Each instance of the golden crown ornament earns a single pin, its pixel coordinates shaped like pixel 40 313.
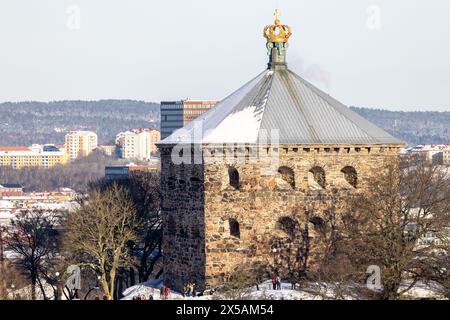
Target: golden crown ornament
pixel 277 32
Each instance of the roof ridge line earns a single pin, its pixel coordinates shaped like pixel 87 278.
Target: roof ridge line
pixel 270 75
pixel 250 92
pixel 202 116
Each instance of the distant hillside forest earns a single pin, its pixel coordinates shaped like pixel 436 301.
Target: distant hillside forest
pixel 424 127
pixel 25 123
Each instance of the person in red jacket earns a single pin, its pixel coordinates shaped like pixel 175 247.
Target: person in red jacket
pixel 166 293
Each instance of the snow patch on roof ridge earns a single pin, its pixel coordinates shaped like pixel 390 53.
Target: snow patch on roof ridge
pixel 195 131
pixel 241 126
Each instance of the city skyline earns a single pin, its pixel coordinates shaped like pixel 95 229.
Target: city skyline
pixel 357 51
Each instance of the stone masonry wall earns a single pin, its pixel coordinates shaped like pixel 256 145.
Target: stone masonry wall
pixel 182 210
pixel 198 203
pixel 262 199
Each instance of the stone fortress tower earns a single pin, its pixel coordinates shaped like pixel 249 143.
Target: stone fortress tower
pixel 236 179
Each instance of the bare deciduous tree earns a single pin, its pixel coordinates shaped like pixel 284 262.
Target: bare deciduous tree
pixel 384 226
pixel 146 196
pixel 33 239
pixel 439 257
pixel 144 191
pixel 97 235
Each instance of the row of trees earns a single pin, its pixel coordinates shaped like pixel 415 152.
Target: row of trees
pixel 115 230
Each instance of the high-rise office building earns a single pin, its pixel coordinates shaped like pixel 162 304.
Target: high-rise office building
pixel 177 114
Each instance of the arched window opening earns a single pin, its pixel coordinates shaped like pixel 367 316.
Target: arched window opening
pixel 184 231
pixel 234 228
pixel 233 176
pixel 350 176
pixel 171 179
pixel 318 223
pixel 288 225
pixel 171 183
pixel 182 183
pixel 287 174
pixel 195 184
pixel 318 175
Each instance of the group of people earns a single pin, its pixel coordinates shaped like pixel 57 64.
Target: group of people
pixel 189 289
pixel 164 293
pixel 276 282
pixel 143 297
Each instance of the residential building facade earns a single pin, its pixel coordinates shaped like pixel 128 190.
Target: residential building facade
pixel 433 153
pixel 109 150
pixel 42 156
pixel 446 156
pixel 123 172
pixel 80 143
pixel 138 144
pixel 10 189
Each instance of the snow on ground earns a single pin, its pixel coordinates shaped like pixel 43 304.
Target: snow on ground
pixel 6 204
pixel 6 216
pixel 422 289
pixel 150 287
pixel 25 292
pixel 266 292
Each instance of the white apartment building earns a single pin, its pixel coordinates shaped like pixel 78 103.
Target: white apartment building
pixel 434 153
pixel 446 156
pixel 80 143
pixel 138 143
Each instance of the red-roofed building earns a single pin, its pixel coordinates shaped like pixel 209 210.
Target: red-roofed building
pixel 11 190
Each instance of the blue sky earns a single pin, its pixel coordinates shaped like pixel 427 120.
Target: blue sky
pixel 393 54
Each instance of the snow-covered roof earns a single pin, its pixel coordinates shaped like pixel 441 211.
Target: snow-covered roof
pixel 431 147
pixel 278 99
